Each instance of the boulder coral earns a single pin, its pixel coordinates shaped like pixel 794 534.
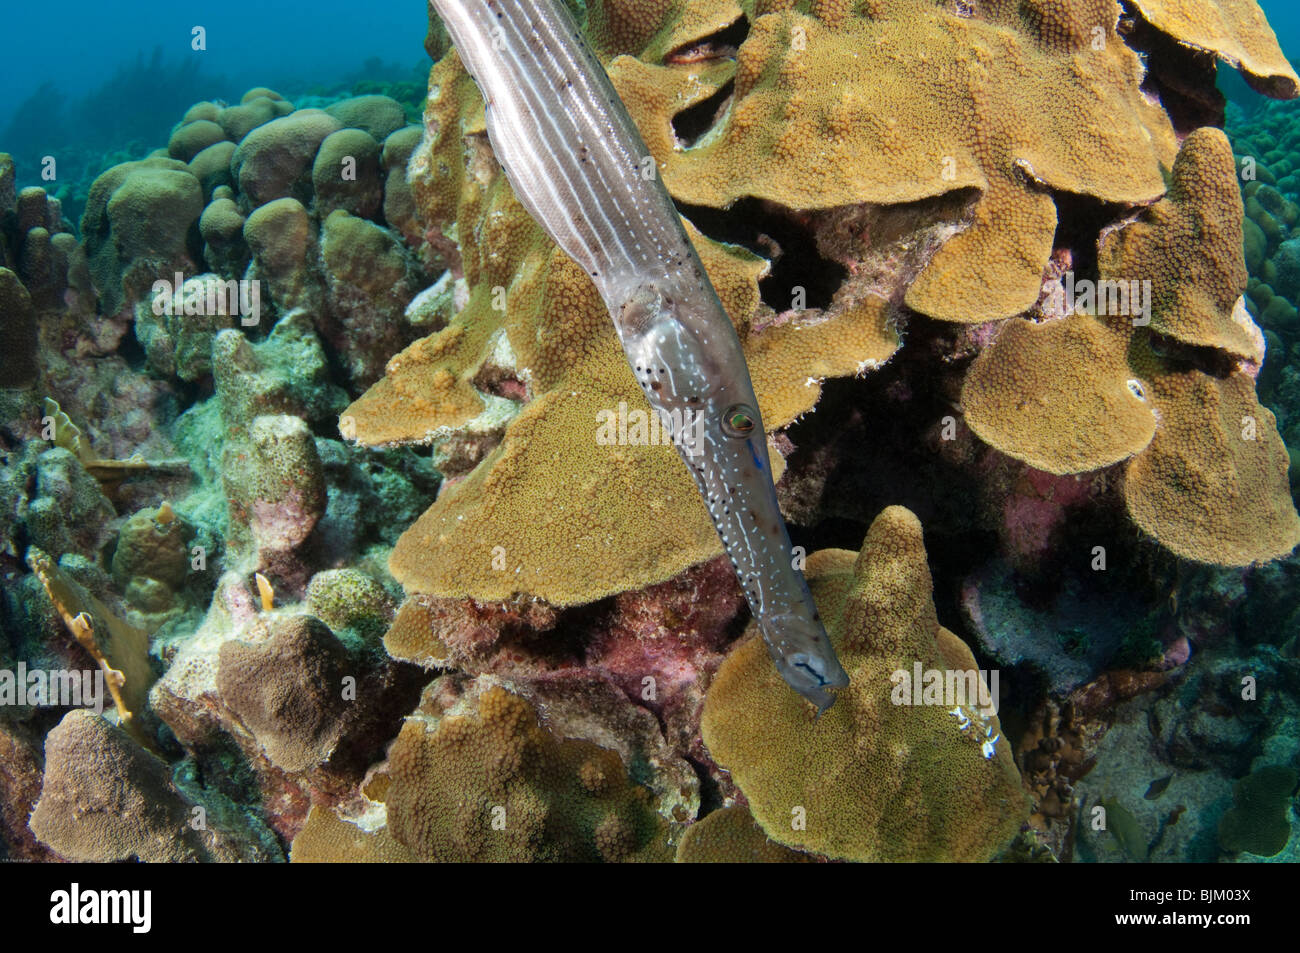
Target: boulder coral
pixel 491 783
pixel 288 691
pixel 105 799
pixel 138 227
pixel 871 779
pixel 730 836
pixel 243 192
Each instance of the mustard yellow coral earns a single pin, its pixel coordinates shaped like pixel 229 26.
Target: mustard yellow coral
pixel 910 100
pixel 1235 30
pixel 869 780
pixel 730 836
pixel 1213 485
pixel 1059 395
pixel 1208 474
pixel 1188 247
pixel 493 784
pixel 327 838
pixel 552 499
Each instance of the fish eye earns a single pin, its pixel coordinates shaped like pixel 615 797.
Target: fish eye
pixel 739 420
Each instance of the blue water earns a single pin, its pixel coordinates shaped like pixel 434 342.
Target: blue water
pixel 78 45
pixel 96 76
pixel 1284 17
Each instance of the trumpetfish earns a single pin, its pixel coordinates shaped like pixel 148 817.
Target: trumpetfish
pixel 579 166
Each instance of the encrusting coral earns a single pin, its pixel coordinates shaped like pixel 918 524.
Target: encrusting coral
pixel 872 779
pixel 328 839
pixel 492 783
pixel 730 836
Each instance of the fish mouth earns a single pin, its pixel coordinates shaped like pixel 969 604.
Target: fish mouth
pixel 804 658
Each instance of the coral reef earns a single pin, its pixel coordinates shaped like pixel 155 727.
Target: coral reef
pixel 492 784
pixel 872 779
pixel 326 459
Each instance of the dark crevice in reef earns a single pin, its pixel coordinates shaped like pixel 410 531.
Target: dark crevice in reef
pixel 721 45
pixel 872 443
pixel 1185 357
pixel 1080 220
pixel 694 121
pixel 130 349
pixel 1182 78
pixel 781 236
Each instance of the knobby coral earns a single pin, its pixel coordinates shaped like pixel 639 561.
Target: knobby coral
pixel 492 783
pixel 1169 388
pixel 873 779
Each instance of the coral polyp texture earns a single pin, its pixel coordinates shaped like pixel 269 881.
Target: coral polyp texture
pixel 1073 393
pixel 335 527
pixel 492 784
pixel 873 779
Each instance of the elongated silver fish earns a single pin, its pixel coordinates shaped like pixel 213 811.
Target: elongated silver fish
pixel 579 166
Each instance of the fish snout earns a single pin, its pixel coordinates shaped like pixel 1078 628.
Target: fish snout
pixel 804 658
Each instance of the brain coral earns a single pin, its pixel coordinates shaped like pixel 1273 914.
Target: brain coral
pixel 493 784
pixel 869 780
pixel 1208 478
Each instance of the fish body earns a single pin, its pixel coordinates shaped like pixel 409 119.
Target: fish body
pixel 579 166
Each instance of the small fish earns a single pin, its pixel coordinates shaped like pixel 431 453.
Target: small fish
pixel 1157 787
pixel 579 166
